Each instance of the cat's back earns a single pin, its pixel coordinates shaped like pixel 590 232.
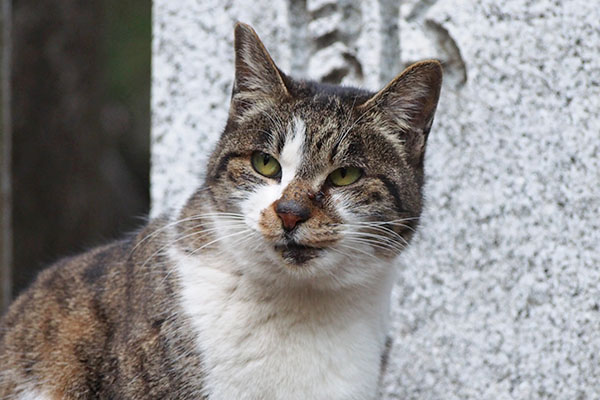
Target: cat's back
pixel 99 325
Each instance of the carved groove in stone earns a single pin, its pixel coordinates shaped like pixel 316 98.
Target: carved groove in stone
pixel 389 14
pixel 422 28
pixel 454 65
pixel 420 9
pixel 333 31
pixel 298 19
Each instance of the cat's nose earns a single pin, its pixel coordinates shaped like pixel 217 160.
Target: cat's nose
pixel 291 213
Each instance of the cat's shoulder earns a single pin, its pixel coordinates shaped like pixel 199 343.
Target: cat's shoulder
pixel 85 311
pixel 76 280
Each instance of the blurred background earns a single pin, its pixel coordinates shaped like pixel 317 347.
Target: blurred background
pixel 78 89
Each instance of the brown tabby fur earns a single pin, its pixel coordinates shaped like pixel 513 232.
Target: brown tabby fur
pixel 102 325
pixel 108 324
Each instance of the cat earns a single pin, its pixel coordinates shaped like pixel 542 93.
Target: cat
pixel 273 281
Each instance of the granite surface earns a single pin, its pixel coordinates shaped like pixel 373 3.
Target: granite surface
pixel 499 296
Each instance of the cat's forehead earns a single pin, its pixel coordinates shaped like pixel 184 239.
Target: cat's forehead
pixel 327 102
pixel 316 143
pixel 322 119
pixel 325 117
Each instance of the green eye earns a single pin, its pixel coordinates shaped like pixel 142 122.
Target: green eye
pixel 345 176
pixel 265 164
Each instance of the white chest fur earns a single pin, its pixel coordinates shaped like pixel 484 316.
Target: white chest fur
pixel 268 344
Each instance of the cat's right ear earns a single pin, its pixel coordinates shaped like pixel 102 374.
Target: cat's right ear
pixel 255 71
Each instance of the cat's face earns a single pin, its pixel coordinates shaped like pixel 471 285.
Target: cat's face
pixel 315 182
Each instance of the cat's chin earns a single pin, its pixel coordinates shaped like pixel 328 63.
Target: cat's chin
pixel 296 254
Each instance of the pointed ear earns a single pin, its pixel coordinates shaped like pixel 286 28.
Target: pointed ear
pixel 255 70
pixel 407 105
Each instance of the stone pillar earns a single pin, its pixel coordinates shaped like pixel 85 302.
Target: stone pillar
pixel 5 159
pixel 499 294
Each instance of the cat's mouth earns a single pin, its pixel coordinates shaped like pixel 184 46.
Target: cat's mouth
pixel 296 253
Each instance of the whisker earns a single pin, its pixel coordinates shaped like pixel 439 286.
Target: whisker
pixel 381 229
pixel 200 233
pixel 375 243
pixel 187 219
pixel 357 249
pixel 219 239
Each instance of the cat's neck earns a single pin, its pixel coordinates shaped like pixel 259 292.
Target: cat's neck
pixel 248 331
pixel 213 268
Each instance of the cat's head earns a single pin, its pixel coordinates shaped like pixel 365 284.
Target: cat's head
pixel 315 182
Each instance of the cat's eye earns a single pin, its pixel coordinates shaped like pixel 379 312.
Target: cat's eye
pixel 265 164
pixel 345 176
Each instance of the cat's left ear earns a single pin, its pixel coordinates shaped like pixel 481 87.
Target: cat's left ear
pixel 406 106
pixel 255 71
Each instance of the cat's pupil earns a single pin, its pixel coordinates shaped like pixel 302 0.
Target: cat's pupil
pixel 343 172
pixel 266 159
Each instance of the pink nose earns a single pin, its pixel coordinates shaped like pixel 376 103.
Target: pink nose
pixel 291 213
pixel 289 221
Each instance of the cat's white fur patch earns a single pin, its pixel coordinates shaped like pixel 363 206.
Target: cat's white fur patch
pixel 293 151
pixel 33 395
pixel 258 342
pixel 290 160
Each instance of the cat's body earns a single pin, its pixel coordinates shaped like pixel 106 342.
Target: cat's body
pixel 100 325
pixel 272 282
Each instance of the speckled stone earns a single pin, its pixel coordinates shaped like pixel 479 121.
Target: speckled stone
pixel 499 296
pixel 192 74
pixel 500 293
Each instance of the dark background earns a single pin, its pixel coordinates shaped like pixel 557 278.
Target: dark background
pixel 80 126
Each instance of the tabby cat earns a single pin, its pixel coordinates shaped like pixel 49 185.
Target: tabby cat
pixel 272 282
